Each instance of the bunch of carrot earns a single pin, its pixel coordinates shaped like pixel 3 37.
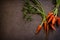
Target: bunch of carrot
pixel 49 23
pixel 50 20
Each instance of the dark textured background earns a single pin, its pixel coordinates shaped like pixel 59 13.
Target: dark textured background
pixel 13 27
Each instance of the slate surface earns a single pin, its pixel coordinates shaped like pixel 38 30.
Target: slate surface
pixel 13 27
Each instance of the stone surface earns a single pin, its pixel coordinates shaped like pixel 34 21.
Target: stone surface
pixel 13 27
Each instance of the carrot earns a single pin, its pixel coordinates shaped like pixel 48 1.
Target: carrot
pixel 38 29
pixel 58 20
pixel 53 20
pixel 45 26
pixel 53 27
pixel 49 14
pixel 47 29
pixel 50 19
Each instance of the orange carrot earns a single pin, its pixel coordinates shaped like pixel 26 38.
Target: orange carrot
pixel 58 20
pixel 45 26
pixel 47 29
pixel 49 14
pixel 50 19
pixel 53 27
pixel 53 20
pixel 38 29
